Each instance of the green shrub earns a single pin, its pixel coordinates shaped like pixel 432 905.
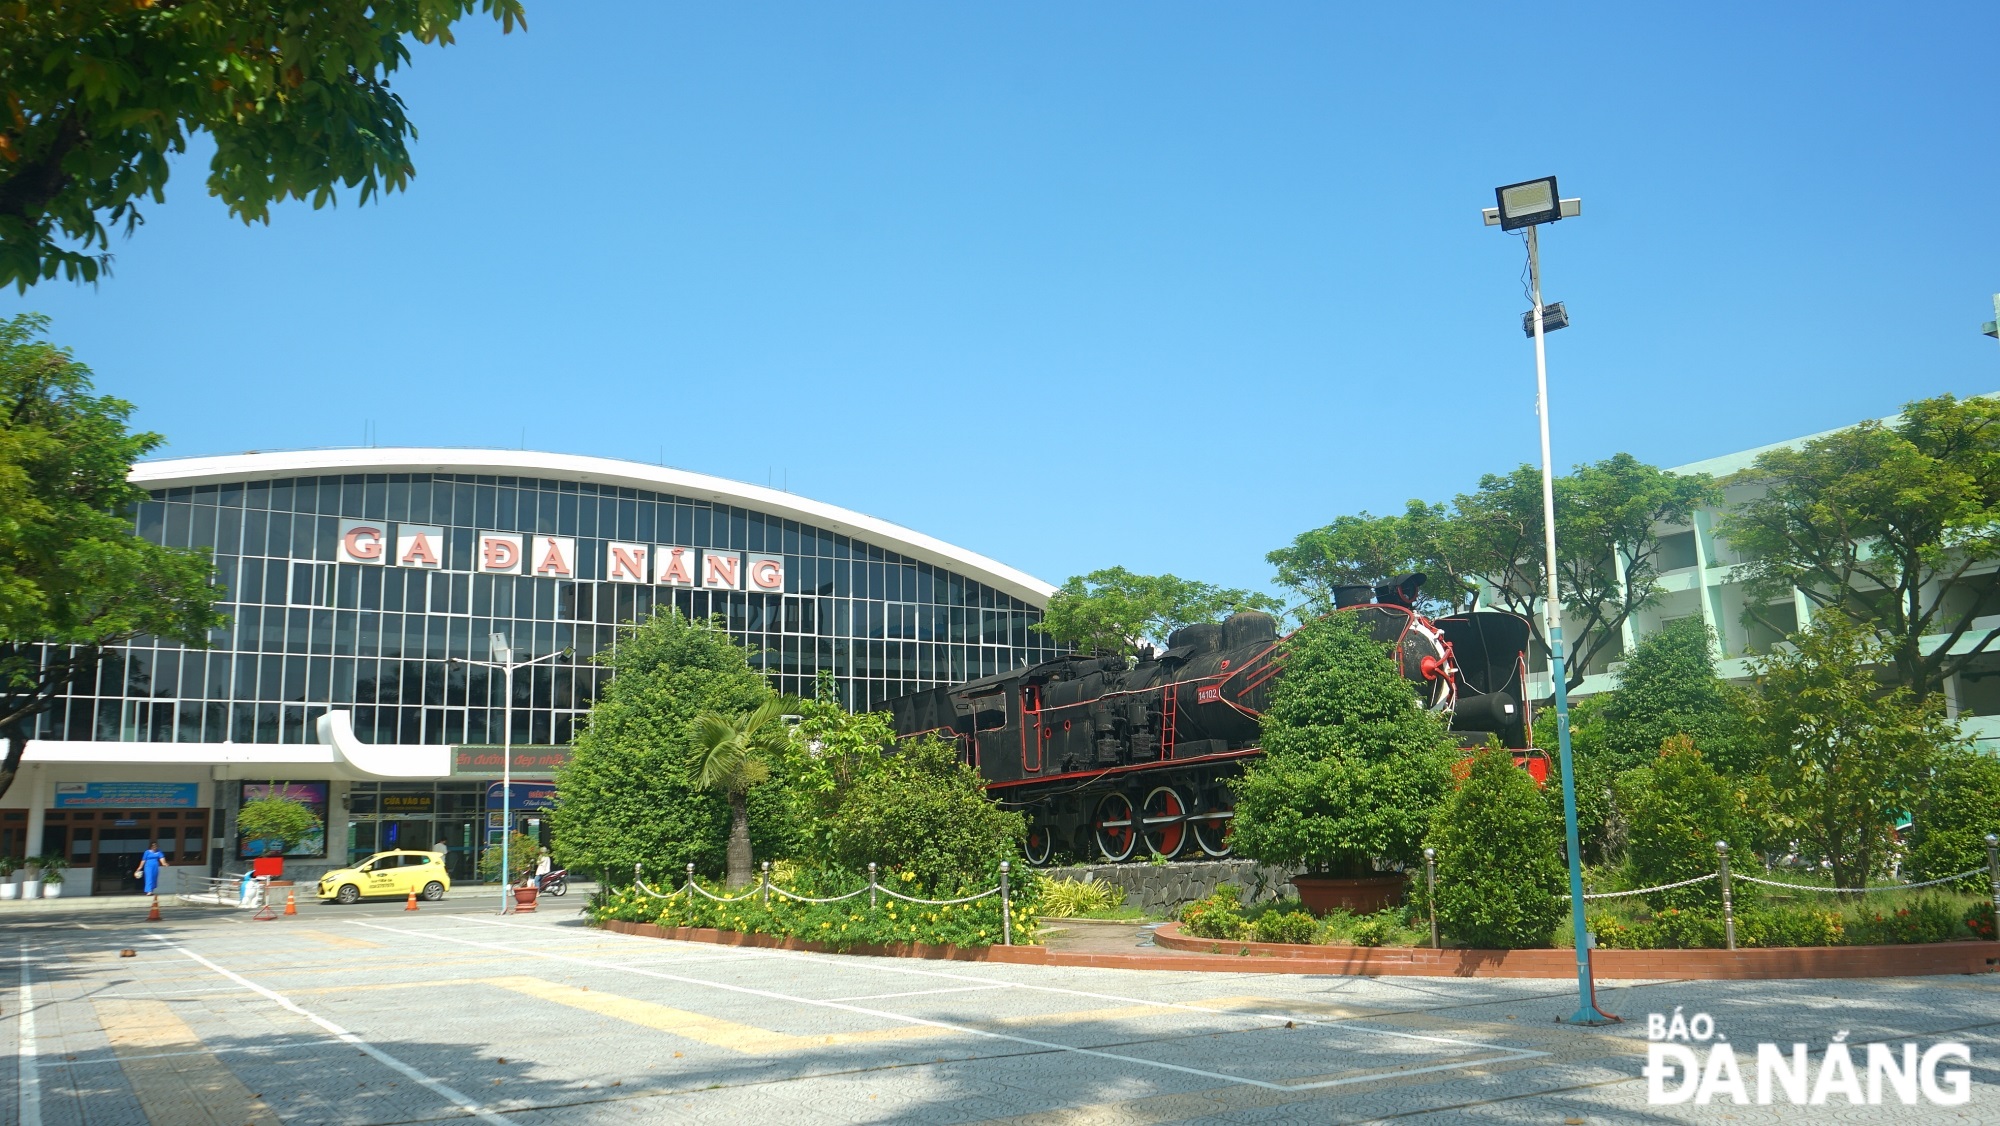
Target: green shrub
pixel 1978 920
pixel 1069 899
pixel 923 811
pixel 842 925
pixel 1676 929
pixel 1499 869
pixel 1292 926
pixel 1379 929
pixel 522 852
pixel 1677 808
pixel 1949 824
pixel 1218 916
pixel 1928 918
pixel 1352 767
pixel 1790 926
pixel 1615 933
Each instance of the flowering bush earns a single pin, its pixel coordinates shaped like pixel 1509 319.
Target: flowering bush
pixel 849 923
pixel 1926 919
pixel 1218 916
pixel 1979 920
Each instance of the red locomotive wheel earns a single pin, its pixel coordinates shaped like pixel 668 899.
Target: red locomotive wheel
pixel 1116 832
pixel 1165 821
pixel 1211 830
pixel 1035 850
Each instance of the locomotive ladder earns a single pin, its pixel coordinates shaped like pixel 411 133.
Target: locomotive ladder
pixel 1169 706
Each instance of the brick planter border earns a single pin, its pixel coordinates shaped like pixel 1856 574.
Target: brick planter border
pixel 1204 954
pixel 1968 957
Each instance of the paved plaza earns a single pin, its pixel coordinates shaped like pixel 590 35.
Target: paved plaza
pixel 375 1015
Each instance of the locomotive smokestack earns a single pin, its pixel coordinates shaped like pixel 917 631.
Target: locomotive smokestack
pixel 1400 591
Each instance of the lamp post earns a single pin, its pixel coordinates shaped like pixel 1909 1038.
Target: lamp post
pixel 1992 327
pixel 1528 205
pixel 503 654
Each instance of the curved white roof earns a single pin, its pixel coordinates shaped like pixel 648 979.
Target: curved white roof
pixel 168 473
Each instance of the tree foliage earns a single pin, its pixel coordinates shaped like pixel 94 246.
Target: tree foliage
pixel 1887 524
pixel 633 789
pixel 1352 764
pixel 1499 858
pixel 73 577
pixel 1843 754
pixel 1677 808
pixel 1365 550
pixel 1113 611
pixel 1609 517
pixel 279 819
pixel 923 812
pixel 294 93
pixel 1667 687
pixel 1950 822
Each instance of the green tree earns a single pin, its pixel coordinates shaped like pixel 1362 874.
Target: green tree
pixel 1499 858
pixel 834 752
pixel 1844 756
pixel 1112 611
pixel 1365 550
pixel 1678 808
pixel 1352 764
pixel 632 791
pixel 735 753
pixel 1610 515
pixel 277 818
pixel 1888 524
pixel 1949 824
pixel 295 96
pixel 1667 687
pixel 923 812
pixel 74 580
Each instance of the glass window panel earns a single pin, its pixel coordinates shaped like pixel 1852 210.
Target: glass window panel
pixel 281 496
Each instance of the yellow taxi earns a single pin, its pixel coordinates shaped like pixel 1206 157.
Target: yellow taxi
pixel 396 873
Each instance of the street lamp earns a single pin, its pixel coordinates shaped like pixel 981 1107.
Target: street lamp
pixel 1526 206
pixel 1992 327
pixel 503 659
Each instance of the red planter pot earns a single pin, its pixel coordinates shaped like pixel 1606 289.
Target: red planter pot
pixel 1363 896
pixel 524 898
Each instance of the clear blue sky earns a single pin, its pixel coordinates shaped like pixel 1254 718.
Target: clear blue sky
pixel 1076 285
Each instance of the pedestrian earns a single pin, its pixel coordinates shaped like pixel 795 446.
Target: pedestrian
pixel 443 848
pixel 150 863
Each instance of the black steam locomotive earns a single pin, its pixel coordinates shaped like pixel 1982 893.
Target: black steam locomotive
pixel 1115 757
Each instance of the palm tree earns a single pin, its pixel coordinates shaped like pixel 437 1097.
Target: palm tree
pixel 733 760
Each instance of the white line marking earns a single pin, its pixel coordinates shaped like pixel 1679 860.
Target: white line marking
pixel 1048 1045
pixel 920 992
pixel 1300 1018
pixel 447 1091
pixel 315 1044
pixel 30 1080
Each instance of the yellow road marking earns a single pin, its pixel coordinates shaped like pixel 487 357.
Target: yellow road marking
pixel 709 1030
pixel 188 1088
pixel 340 940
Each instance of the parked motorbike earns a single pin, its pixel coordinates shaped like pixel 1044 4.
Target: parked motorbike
pixel 554 882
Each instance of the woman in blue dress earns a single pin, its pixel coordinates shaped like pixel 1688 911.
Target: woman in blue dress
pixel 150 864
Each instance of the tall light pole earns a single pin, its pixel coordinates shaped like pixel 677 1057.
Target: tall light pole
pixel 503 659
pixel 1528 205
pixel 1992 327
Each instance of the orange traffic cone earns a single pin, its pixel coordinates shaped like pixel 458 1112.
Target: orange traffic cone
pixel 153 916
pixel 412 904
pixel 291 904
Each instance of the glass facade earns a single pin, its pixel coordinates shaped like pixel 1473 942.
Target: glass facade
pixel 309 634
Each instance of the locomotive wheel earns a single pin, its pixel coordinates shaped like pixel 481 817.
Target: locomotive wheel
pixel 1035 850
pixel 1165 821
pixel 1211 833
pixel 1114 827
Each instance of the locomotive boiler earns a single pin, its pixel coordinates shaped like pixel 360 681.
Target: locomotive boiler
pixel 1114 758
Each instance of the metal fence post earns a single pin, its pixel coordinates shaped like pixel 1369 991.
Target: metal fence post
pixel 871 885
pixel 637 867
pixel 1431 891
pixel 767 883
pixel 690 874
pixel 1993 875
pixel 1006 909
pixel 1728 903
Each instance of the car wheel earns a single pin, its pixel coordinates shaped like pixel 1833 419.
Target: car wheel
pixel 433 891
pixel 348 893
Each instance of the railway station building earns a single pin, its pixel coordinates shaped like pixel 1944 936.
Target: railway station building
pixel 353 579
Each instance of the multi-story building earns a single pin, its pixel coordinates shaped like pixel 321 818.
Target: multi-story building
pixel 1701 578
pixel 356 578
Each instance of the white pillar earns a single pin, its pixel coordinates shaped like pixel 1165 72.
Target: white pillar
pixel 38 800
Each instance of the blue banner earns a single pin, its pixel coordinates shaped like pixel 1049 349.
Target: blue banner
pixel 127 795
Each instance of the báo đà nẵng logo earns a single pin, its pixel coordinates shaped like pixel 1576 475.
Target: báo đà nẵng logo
pixel 1689 1061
